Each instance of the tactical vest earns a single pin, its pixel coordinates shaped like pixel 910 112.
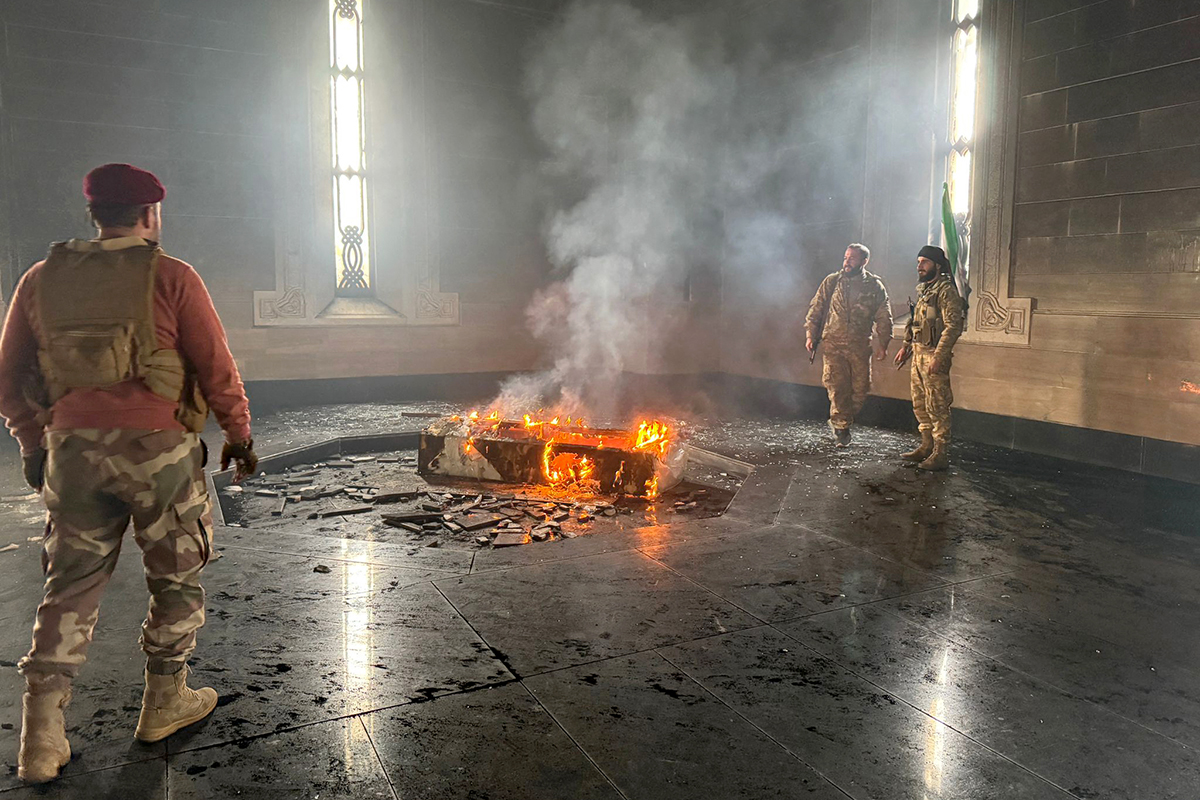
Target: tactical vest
pixel 95 315
pixel 928 325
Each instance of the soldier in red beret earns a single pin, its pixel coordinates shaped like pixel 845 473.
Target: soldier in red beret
pixel 111 357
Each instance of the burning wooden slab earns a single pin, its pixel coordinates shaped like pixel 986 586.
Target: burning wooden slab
pixel 564 455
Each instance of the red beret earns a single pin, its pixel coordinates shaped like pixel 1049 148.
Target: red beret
pixel 122 184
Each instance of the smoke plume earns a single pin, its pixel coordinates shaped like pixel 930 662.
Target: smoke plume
pixel 683 141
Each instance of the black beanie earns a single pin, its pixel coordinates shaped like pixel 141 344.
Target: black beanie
pixel 935 254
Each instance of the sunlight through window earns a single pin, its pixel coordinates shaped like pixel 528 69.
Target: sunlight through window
pixel 349 139
pixel 964 99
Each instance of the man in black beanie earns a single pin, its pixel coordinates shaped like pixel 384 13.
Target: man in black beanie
pixel 934 327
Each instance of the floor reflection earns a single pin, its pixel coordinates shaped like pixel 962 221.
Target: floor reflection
pixel 935 732
pixel 358 640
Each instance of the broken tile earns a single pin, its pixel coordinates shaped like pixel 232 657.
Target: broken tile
pixel 342 512
pixel 480 523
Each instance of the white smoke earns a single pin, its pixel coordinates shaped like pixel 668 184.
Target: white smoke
pixel 682 164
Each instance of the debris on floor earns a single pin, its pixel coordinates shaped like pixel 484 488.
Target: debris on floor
pixel 381 497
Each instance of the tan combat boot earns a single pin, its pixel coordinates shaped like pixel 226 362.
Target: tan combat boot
pixel 168 705
pixel 938 460
pixel 44 746
pixel 924 449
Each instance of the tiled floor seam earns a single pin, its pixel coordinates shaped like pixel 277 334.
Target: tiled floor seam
pixel 75 775
pixel 522 677
pixel 339 718
pixel 746 720
pixel 643 651
pixel 574 741
pixel 1014 606
pixel 319 557
pixel 699 585
pixel 509 567
pixel 900 596
pixel 436 698
pixel 382 768
pixel 815 613
pixel 864 549
pixel 925 713
pixel 1033 677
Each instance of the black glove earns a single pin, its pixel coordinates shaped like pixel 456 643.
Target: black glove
pixel 34 465
pixel 243 454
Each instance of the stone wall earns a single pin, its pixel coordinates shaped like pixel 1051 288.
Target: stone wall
pixel 1106 229
pixel 223 99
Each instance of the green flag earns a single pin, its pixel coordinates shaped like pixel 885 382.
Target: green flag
pixel 954 247
pixel 950 230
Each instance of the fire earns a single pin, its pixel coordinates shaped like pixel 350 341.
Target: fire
pixel 652 489
pixel 653 436
pixel 562 468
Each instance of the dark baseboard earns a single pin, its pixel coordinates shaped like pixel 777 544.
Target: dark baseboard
pixel 735 394
pixel 270 395
pixel 1139 454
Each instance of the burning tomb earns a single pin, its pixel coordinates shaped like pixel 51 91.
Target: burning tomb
pixel 564 454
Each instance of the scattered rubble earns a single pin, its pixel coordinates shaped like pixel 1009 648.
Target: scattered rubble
pixel 387 493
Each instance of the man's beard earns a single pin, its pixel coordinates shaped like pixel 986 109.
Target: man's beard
pixel 926 278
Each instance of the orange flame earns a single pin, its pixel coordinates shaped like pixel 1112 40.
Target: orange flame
pixel 653 436
pixel 652 488
pixel 565 469
pixel 569 470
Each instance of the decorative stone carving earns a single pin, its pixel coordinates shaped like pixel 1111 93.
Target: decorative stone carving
pixel 435 307
pixel 289 303
pixel 994 317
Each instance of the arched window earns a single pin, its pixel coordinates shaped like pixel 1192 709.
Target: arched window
pixel 964 91
pixel 351 190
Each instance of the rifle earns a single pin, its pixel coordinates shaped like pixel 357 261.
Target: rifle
pixel 912 312
pixel 812 357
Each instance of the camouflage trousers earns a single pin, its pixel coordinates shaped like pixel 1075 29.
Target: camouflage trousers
pixel 931 395
pixel 847 378
pixel 96 482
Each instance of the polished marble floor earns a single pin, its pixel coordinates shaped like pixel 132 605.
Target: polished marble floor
pixel 1017 628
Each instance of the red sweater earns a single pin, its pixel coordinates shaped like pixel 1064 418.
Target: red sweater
pixel 185 321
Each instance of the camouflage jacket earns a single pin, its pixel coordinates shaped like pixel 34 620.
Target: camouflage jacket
pixel 846 306
pixel 937 318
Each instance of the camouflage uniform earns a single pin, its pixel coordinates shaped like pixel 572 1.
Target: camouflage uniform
pixel 96 481
pixel 935 325
pixel 840 317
